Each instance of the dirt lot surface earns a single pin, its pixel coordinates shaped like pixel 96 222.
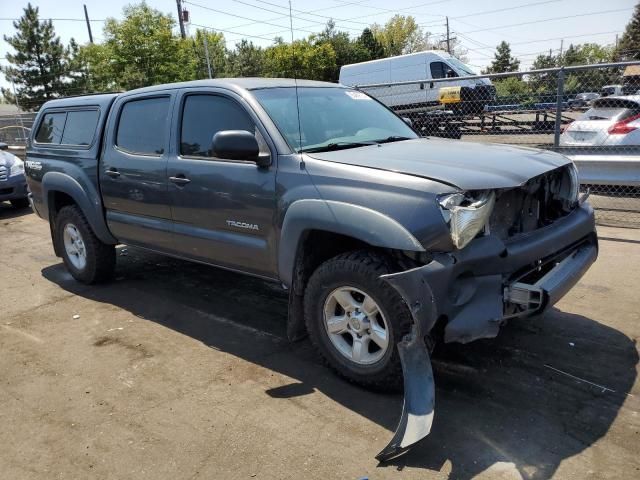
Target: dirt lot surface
pixel 180 371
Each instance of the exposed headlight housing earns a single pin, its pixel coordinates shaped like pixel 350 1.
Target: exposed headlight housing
pixel 466 213
pixel 17 168
pixel 575 182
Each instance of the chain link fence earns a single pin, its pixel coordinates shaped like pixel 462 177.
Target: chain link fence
pixel 590 113
pixel 14 131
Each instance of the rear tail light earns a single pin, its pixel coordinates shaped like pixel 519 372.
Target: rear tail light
pixel 622 127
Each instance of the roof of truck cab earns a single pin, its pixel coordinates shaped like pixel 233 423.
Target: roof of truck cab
pixel 245 83
pixel 248 83
pixel 101 100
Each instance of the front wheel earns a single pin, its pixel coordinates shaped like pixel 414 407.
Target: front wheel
pixel 85 256
pixel 355 319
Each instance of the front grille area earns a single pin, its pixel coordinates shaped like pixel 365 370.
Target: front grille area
pixel 4 173
pixel 537 203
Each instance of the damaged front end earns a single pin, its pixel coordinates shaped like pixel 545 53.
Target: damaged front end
pixel 518 252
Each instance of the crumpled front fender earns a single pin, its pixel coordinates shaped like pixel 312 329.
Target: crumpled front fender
pixel 419 388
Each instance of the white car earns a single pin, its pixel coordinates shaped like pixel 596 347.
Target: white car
pixel 610 121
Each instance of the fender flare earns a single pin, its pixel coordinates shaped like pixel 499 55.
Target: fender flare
pixel 86 197
pixel 355 221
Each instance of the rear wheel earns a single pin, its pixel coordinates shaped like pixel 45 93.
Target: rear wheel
pixel 87 258
pixel 355 319
pixel 20 202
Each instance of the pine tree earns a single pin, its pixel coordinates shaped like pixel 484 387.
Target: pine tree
pixel 503 61
pixel 629 45
pixel 371 44
pixel 38 66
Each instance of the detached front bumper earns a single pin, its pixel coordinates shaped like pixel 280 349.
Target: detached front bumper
pixel 476 289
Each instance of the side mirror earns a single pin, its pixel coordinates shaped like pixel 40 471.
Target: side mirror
pixel 4 146
pixel 238 145
pixel 408 121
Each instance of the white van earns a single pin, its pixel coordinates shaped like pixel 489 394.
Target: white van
pixel 422 67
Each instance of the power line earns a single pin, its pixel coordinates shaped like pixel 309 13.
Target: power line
pixel 6 19
pixel 487 12
pixel 602 12
pixel 264 22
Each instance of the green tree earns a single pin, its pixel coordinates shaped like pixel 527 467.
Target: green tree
pixel 629 44
pixel 346 50
pixel 142 50
pixel 587 80
pixel 302 59
pixel 400 35
pixel 371 44
pixel 38 68
pixel 544 82
pixel 247 60
pixel 194 56
pixel 503 61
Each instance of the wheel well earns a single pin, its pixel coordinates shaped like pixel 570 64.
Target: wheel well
pixel 316 247
pixel 56 201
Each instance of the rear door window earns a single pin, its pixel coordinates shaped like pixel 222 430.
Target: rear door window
pixel 142 126
pixel 51 127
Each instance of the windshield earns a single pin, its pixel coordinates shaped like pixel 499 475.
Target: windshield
pixel 460 67
pixel 331 118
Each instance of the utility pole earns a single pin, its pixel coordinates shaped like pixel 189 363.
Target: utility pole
pixel 448 38
pixel 561 45
pixel 86 17
pixel 206 52
pixel 180 19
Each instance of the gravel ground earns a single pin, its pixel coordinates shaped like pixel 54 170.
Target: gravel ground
pixel 181 371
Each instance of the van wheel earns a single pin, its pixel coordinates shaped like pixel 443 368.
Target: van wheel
pixel 85 256
pixel 355 319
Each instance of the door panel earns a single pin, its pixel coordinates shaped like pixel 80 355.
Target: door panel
pixel 223 213
pixel 133 173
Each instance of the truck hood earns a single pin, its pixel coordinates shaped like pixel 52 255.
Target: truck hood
pixel 466 165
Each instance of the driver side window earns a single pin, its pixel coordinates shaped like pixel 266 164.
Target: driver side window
pixel 204 115
pixel 441 70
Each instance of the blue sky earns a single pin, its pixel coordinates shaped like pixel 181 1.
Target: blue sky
pixel 531 26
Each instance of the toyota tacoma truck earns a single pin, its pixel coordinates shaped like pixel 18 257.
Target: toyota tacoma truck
pixel 382 238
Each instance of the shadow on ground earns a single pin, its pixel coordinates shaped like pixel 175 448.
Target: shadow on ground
pixel 496 400
pixel 7 211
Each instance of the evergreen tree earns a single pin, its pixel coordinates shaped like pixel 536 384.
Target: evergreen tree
pixel 38 66
pixel 503 61
pixel 629 45
pixel 247 60
pixel 371 44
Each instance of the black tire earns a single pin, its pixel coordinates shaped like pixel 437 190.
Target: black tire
pixel 100 257
pixel 360 269
pixel 20 202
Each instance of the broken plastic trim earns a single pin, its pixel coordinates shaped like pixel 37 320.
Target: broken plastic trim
pixel 419 388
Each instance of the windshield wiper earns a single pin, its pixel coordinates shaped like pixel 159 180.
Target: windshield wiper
pixel 392 138
pixel 336 146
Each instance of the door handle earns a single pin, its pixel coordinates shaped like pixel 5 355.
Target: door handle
pixel 113 173
pixel 179 180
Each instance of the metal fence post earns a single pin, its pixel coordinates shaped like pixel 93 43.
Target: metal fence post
pixel 559 99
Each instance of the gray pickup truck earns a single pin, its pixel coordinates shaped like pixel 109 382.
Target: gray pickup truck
pixel 381 237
